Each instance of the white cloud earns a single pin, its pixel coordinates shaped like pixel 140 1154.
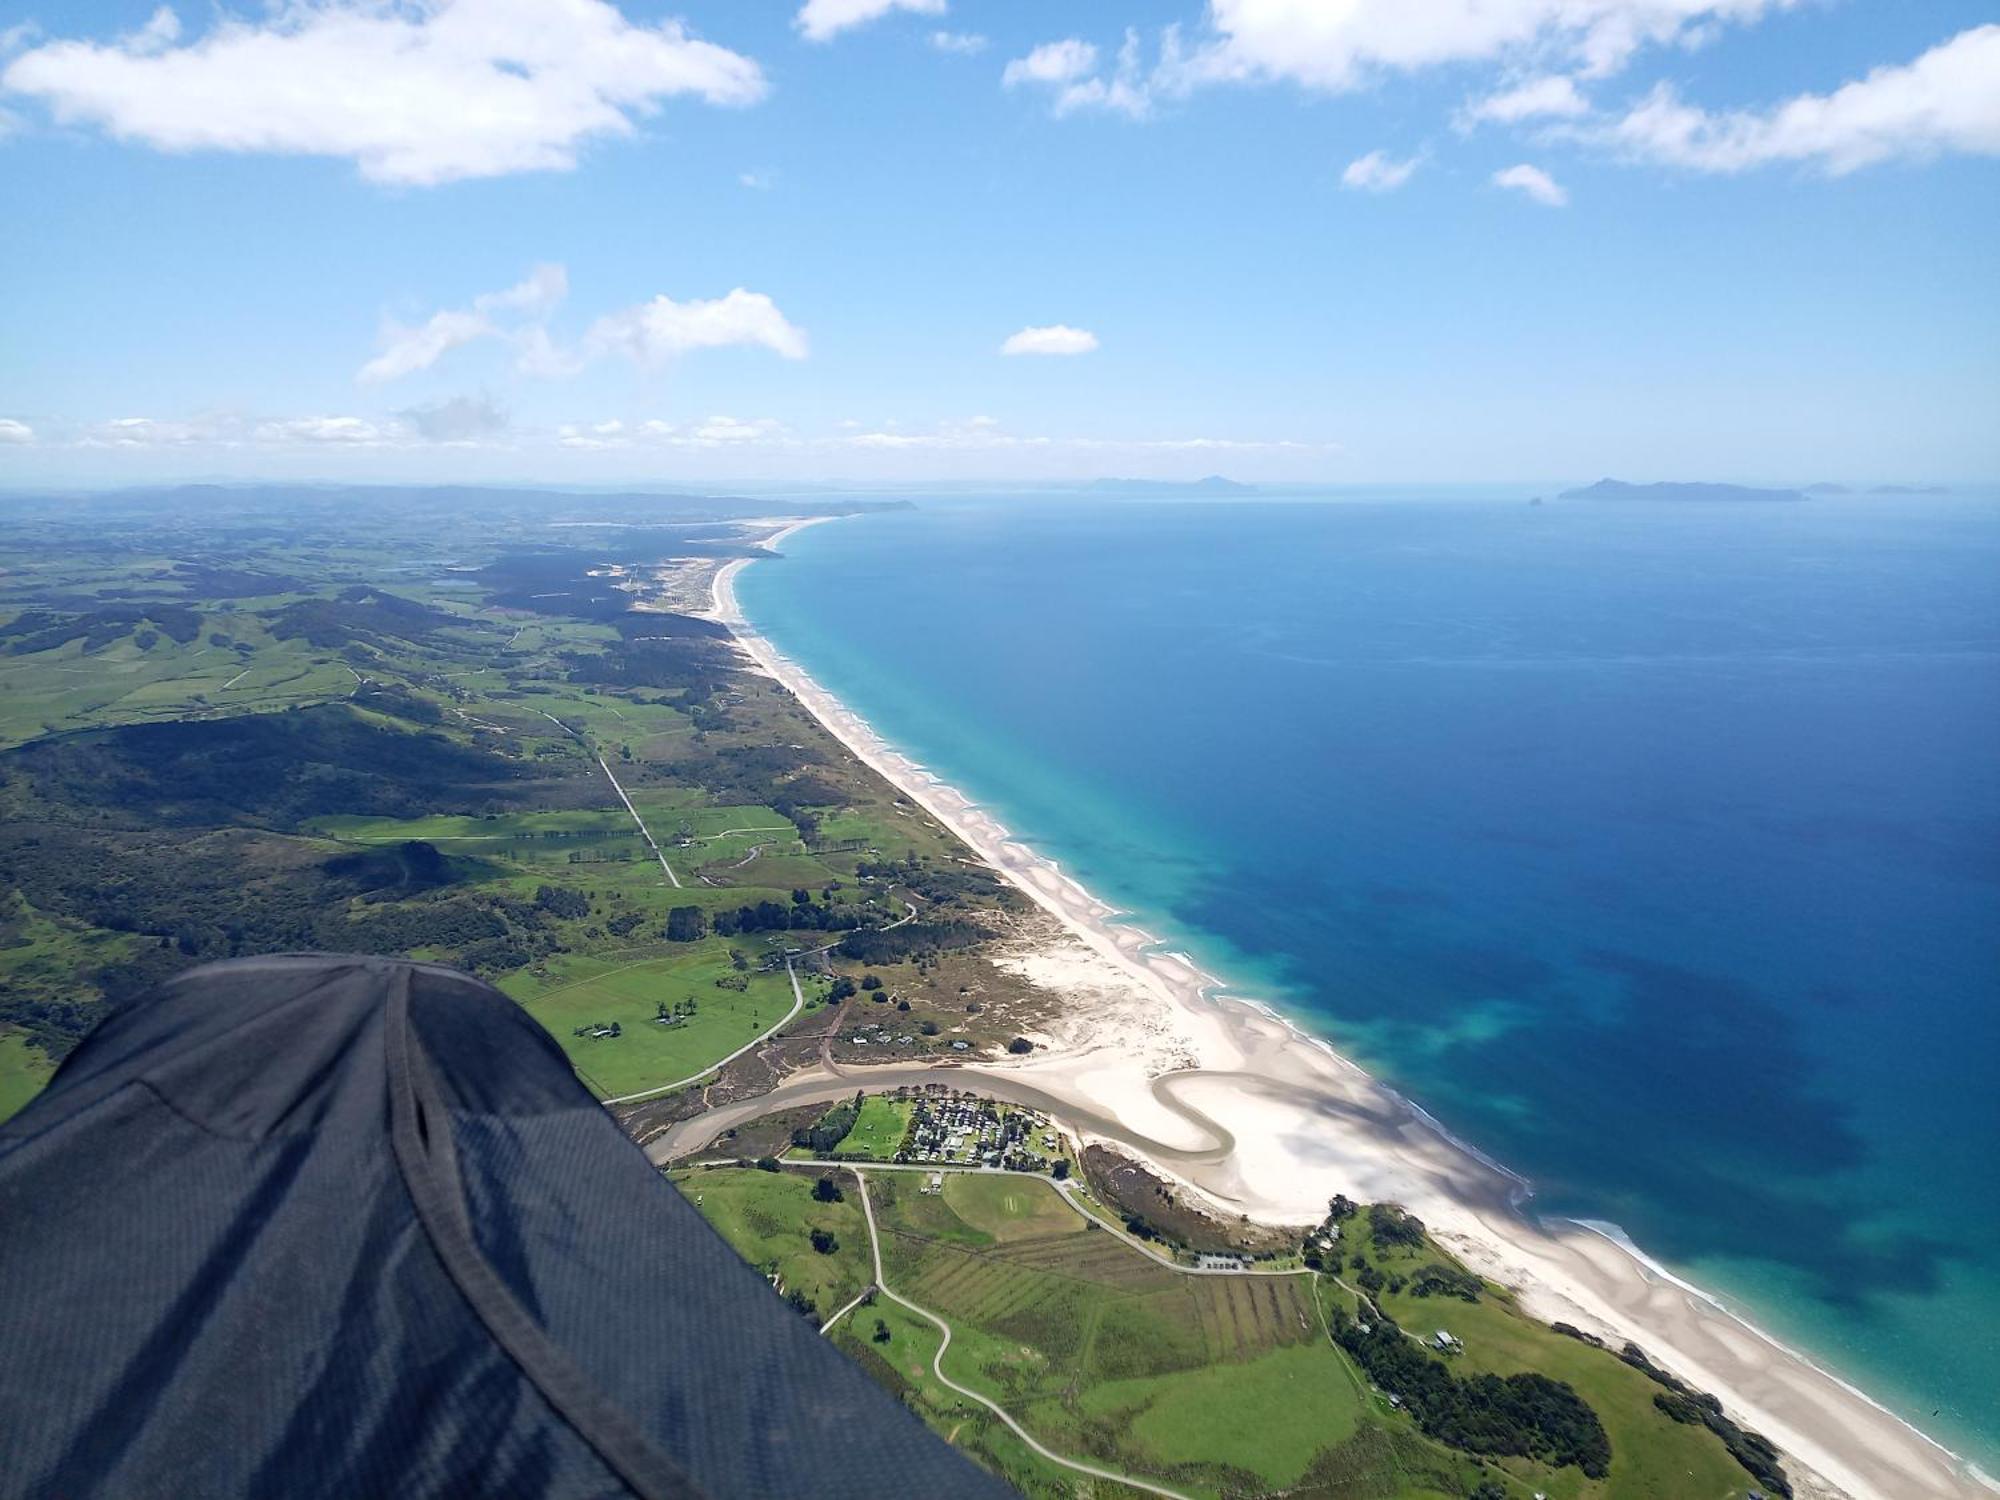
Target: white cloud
pixel 1057 338
pixel 656 331
pixel 1069 70
pixel 823 20
pixel 1338 46
pixel 1378 173
pixel 1052 63
pixel 1553 95
pixel 651 332
pixel 757 182
pixel 345 431
pixel 406 350
pixel 1534 182
pixel 1947 100
pixel 720 432
pixel 965 43
pixel 412 91
pixel 544 290
pixel 148 432
pixel 15 432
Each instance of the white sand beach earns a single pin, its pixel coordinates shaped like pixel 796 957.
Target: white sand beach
pixel 1252 1113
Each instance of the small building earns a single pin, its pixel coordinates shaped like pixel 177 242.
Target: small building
pixel 1446 1342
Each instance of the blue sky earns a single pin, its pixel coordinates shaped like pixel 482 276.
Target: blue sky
pixel 1344 240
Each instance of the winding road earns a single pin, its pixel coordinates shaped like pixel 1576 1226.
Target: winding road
pixel 937 1368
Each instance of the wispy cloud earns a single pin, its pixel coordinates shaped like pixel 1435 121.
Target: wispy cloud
pixel 1553 95
pixel 663 329
pixel 415 94
pixel 1056 338
pixel 964 43
pixel 1534 183
pixel 1947 100
pixel 12 431
pixel 1378 172
pixel 823 20
pixel 462 419
pixel 1068 69
pixel 651 332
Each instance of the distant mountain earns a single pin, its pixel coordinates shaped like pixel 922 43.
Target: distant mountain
pixel 1911 489
pixel 1824 488
pixel 1617 489
pixel 1215 484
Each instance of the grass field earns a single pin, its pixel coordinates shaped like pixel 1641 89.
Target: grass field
pixel 1218 1386
pixel 766 1216
pixel 1221 1414
pixel 878 1131
pixel 1009 1208
pixel 23 1071
pixel 590 991
pixel 1651 1458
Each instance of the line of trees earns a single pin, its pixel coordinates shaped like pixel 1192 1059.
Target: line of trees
pixel 1524 1415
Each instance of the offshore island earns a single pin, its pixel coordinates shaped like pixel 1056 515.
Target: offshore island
pixel 1107 1231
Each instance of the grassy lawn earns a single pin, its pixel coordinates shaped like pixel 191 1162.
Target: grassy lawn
pixel 1010 1208
pixel 595 991
pixel 1652 1458
pixel 878 1131
pixel 23 1071
pixel 767 1218
pixel 1271 1415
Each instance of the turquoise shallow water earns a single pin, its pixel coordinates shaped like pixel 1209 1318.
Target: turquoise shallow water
pixel 1656 850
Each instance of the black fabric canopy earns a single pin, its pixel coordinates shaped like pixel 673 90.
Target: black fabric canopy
pixel 311 1226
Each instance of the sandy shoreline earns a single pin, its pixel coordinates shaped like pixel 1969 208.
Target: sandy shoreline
pixel 1262 1119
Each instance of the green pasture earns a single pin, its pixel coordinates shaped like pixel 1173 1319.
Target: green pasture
pixel 1008 1207
pixel 23 1071
pixel 587 991
pixel 767 1218
pixel 877 1132
pixel 52 692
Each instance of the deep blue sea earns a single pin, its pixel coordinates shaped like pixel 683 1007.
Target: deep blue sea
pixel 1654 848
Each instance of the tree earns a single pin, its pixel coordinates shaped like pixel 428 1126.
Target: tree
pixel 881 1334
pixel 685 925
pixel 767 1163
pixel 824 1242
pixel 1060 1171
pixel 1020 1045
pixel 826 1190
pixel 871 982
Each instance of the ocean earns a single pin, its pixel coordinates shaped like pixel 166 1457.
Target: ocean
pixel 1653 848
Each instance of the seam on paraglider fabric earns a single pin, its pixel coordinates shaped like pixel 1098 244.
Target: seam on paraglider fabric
pixel 420 1128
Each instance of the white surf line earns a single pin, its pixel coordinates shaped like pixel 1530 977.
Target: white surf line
pixel 798 1004
pixel 937 1368
pixel 644 832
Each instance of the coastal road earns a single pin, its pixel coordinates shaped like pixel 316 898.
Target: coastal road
pixel 937 1368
